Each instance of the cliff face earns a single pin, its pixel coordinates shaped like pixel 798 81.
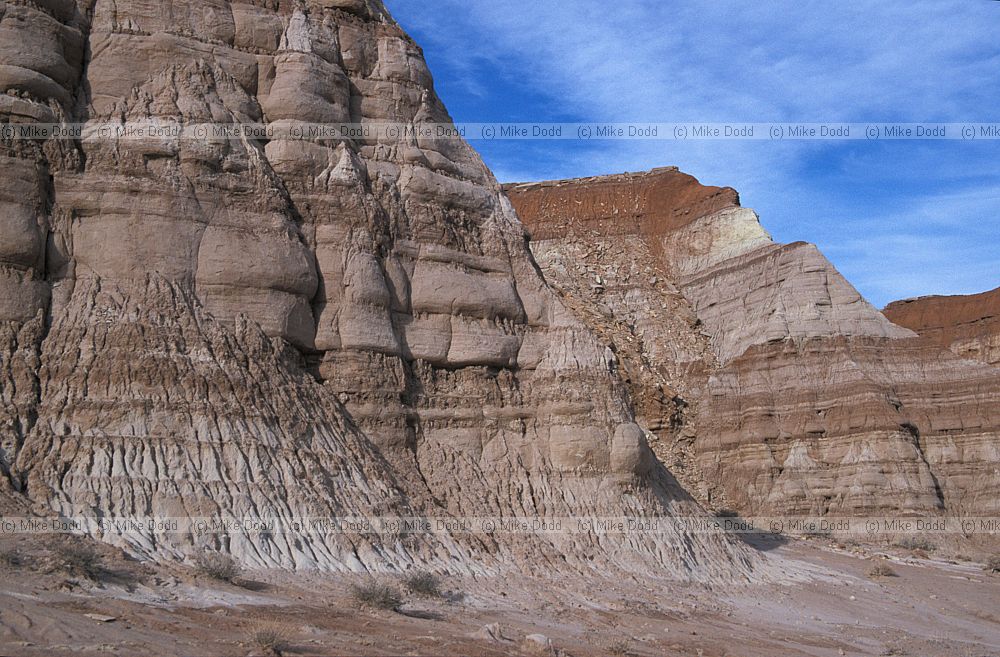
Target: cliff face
pixel 293 327
pixel 967 325
pixel 768 382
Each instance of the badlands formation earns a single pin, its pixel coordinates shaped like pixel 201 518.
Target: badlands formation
pixel 301 327
pixel 294 328
pixel 248 329
pixel 769 383
pixel 968 325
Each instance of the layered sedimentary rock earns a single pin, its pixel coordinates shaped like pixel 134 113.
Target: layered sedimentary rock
pixel 968 325
pixel 299 326
pixel 769 383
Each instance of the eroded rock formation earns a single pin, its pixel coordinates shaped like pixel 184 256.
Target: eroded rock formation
pixel 969 325
pixel 768 382
pixel 293 327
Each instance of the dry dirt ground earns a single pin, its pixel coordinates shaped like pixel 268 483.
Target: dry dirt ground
pixel 55 603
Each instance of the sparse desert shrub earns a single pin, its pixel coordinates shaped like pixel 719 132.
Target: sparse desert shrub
pixel 818 533
pixel 423 583
pixel 78 560
pixel 621 648
pixel 992 564
pixel 218 566
pixel 270 640
pixel 881 569
pixel 11 559
pixel 916 543
pixel 377 595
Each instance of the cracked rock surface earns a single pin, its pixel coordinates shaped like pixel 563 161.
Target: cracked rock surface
pixel 295 327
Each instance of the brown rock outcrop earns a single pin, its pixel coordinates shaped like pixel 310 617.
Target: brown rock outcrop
pixel 768 382
pixel 649 204
pixel 296 327
pixel 969 325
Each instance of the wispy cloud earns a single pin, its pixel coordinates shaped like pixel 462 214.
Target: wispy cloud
pixel 941 244
pixel 728 60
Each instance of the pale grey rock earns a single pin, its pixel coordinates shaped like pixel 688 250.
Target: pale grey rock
pixel 778 292
pixel 325 327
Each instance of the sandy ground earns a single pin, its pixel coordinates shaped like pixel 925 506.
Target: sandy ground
pixel 828 606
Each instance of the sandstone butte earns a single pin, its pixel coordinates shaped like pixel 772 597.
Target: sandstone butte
pixel 769 384
pixel 969 325
pixel 243 329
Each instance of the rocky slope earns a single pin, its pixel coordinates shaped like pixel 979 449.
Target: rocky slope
pixel 768 382
pixel 297 327
pixel 968 325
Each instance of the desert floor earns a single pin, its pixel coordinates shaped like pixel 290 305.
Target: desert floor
pixel 826 604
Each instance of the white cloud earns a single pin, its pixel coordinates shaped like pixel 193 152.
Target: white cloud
pixel 730 60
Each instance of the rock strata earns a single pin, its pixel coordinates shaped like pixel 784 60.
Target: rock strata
pixel 768 383
pixel 299 326
pixel 967 325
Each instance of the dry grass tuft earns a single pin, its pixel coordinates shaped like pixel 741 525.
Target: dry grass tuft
pixel 620 648
pixel 916 543
pixel 271 640
pixel 881 569
pixel 78 560
pixel 377 595
pixel 11 559
pixel 218 566
pixel 424 584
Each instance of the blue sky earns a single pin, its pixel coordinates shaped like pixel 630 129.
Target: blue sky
pixel 899 219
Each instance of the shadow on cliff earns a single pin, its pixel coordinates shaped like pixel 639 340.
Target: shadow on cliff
pixel 758 538
pixel 670 493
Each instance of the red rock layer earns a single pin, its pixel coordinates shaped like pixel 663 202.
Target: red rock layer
pixel 969 325
pixel 632 203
